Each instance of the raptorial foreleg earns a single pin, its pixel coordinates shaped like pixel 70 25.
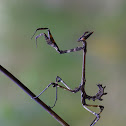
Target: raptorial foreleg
pixel 50 40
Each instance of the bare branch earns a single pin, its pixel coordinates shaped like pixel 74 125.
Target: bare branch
pixel 40 102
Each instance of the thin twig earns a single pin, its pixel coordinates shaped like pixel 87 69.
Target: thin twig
pixel 24 88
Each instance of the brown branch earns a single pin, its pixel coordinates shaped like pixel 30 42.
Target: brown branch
pixel 40 102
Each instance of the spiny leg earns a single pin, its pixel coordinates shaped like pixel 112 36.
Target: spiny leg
pixel 54 85
pixel 50 40
pixel 55 99
pixel 94 113
pixel 58 79
pixel 43 90
pixel 98 96
pixel 37 30
pixel 42 34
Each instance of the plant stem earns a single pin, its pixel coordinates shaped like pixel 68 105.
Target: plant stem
pixel 40 102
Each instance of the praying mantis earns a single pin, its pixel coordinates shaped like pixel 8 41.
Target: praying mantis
pixel 98 96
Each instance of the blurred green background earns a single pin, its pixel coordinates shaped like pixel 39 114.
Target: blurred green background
pixel 37 67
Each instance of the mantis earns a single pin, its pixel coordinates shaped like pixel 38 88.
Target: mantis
pixel 98 96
